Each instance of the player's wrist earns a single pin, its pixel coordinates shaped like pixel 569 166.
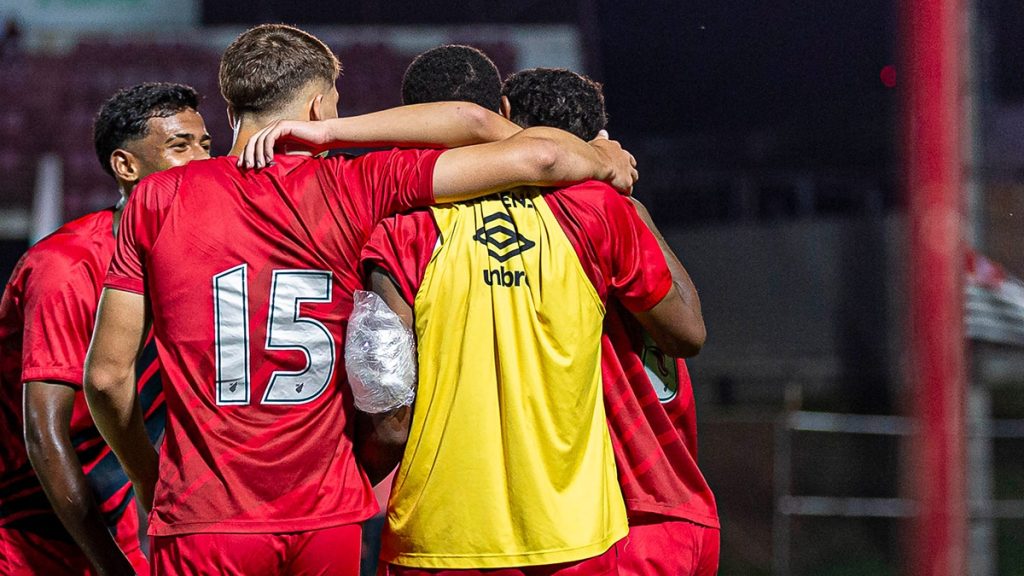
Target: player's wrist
pixel 145 473
pixel 605 169
pixel 332 132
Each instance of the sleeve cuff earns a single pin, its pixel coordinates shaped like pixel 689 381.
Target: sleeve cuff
pixel 118 282
pixel 652 298
pixel 70 376
pixel 427 178
pixel 370 262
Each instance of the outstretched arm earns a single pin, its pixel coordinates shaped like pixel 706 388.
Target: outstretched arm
pixel 675 323
pixel 110 387
pixel 47 409
pixel 436 124
pixel 536 156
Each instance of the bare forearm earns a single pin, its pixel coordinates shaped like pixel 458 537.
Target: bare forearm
pixel 118 417
pixel 110 387
pixel 47 409
pixel 537 156
pixel 381 441
pixel 438 124
pixel 573 160
pixel 60 473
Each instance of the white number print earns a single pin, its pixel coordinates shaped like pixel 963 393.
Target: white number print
pixel 286 330
pixel 231 323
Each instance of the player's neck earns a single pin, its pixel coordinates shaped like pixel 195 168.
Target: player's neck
pixel 246 128
pixel 125 189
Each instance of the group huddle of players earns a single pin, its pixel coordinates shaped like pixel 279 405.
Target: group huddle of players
pixel 215 297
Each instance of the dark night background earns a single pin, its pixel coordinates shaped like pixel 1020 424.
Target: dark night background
pixel 791 84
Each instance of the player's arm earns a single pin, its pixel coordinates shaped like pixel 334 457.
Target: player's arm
pixel 537 156
pixel 110 387
pixel 47 408
pixel 675 323
pixel 436 124
pixel 380 438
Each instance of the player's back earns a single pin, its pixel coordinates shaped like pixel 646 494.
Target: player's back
pixel 250 277
pixel 509 299
pixel 508 330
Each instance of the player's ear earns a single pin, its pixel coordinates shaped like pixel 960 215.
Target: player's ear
pixel 506 108
pixel 316 108
pixel 125 165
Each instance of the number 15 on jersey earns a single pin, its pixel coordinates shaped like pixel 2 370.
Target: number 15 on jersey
pixel 286 330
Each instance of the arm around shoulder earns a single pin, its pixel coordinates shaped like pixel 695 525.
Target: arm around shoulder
pixel 436 124
pixel 537 156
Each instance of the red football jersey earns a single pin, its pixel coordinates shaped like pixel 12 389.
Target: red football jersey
pixel 653 425
pixel 654 439
pixel 46 322
pixel 249 276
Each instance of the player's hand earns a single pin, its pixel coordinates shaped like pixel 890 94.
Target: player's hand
pixel 621 163
pixel 259 150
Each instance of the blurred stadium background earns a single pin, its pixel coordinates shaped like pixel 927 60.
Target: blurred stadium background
pixel 777 147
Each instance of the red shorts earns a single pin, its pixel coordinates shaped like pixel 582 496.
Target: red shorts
pixel 25 553
pixel 669 548
pixel 330 551
pixel 604 565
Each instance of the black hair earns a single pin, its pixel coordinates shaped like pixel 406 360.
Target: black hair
pixel 452 72
pixel 125 116
pixel 558 98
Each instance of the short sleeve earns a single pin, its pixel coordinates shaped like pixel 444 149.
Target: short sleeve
pixel 402 246
pixel 59 305
pixel 640 277
pixel 140 223
pixel 619 253
pixel 396 180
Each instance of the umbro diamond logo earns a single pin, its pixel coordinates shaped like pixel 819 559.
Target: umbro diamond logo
pixel 499 235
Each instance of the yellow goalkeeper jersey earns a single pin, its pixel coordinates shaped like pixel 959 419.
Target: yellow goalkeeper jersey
pixel 509 462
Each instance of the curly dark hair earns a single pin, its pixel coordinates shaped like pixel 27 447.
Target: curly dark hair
pixel 558 98
pixel 452 72
pixel 266 66
pixel 125 116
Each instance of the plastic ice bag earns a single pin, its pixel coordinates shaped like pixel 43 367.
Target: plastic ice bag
pixel 380 356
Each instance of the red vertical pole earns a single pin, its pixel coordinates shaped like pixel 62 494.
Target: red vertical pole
pixel 933 129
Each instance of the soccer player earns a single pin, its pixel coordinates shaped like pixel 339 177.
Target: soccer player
pixel 507 297
pixel 673 519
pixel 248 278
pixel 65 502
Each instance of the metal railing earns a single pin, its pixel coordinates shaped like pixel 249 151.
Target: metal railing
pixel 789 505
